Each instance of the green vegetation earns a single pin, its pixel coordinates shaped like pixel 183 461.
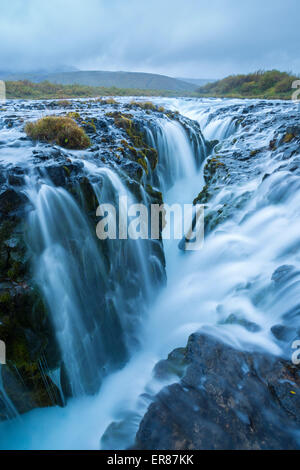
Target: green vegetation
pixel 270 84
pixel 62 131
pixel 106 101
pixel 46 90
pixel 262 84
pixel 147 106
pixel 141 151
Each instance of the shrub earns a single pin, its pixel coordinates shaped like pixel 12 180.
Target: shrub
pixel 64 103
pixel 264 84
pixel 62 131
pixel 248 87
pixel 285 85
pixel 147 105
pixel 106 101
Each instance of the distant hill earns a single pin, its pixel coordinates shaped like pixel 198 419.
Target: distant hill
pixel 4 74
pixel 133 80
pixel 271 84
pixel 46 90
pixel 197 81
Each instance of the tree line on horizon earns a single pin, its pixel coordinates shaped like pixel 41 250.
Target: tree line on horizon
pixel 270 84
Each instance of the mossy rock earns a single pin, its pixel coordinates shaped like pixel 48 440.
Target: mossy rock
pixel 22 311
pixel 288 138
pixel 74 115
pixel 156 196
pixel 106 101
pixel 210 145
pixel 203 196
pixel 64 103
pixel 146 105
pixel 143 163
pixel 152 156
pixel 13 253
pixel 62 131
pixel 89 126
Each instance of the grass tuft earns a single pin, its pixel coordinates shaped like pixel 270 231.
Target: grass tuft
pixel 62 131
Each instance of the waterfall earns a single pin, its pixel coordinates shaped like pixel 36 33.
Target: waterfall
pixel 72 277
pixel 122 253
pixel 10 409
pixel 217 118
pixel 244 273
pixel 85 282
pixel 176 158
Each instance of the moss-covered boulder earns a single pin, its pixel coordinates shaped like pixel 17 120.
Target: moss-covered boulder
pixel 139 150
pixel 62 131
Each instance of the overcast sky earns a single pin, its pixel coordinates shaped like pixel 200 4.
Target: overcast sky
pixel 186 38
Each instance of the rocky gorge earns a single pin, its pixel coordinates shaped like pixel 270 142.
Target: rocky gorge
pixel 93 321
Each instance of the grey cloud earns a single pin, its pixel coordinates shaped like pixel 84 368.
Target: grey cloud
pixel 187 38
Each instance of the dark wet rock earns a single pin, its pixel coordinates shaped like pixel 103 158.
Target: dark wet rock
pixel 134 170
pixel 16 180
pixel 237 320
pixel 24 322
pixel 88 196
pixel 226 399
pixel 266 175
pixel 284 273
pixel 283 333
pixel 211 145
pixel 10 201
pixel 30 343
pixel 174 365
pixel 28 391
pixel 48 153
pixel 57 174
pixel 118 434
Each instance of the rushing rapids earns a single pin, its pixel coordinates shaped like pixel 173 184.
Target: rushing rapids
pixel 100 350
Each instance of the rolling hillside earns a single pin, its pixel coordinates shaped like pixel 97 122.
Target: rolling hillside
pixel 271 84
pixel 132 80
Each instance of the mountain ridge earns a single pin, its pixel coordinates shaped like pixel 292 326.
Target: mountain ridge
pixel 138 80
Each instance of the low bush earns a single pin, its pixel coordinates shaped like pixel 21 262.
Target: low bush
pixel 62 131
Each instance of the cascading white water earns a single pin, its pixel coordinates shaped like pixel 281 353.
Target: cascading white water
pixel 96 325
pixel 232 275
pixel 10 409
pixel 72 278
pixel 123 253
pixel 176 157
pixel 175 152
pixel 215 117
